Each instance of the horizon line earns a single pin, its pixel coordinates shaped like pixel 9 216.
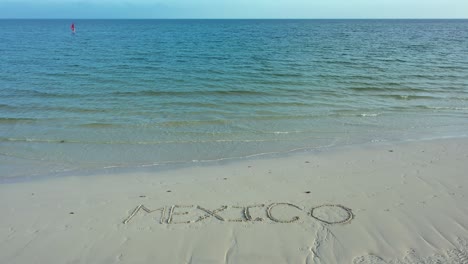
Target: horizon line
pixel 130 18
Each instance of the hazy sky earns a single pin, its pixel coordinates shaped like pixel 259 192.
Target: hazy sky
pixel 233 9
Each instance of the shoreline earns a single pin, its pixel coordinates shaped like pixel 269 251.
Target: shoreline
pixel 176 165
pixel 375 203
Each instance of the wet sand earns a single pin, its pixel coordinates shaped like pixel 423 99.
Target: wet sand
pixel 383 203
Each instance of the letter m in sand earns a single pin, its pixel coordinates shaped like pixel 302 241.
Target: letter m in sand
pixel 145 209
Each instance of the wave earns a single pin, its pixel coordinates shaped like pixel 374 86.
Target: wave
pixel 407 97
pixel 34 140
pixel 404 96
pixel 86 142
pixel 267 104
pixel 144 93
pixel 68 74
pixel 354 113
pixel 100 125
pixel 191 93
pixel 369 114
pixel 184 123
pixel 42 94
pixel 283 74
pixel 387 87
pixel 443 108
pixel 47 108
pixel 10 120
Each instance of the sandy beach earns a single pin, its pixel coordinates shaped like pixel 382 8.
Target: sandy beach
pixel 378 203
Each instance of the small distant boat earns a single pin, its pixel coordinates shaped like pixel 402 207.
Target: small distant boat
pixel 72 27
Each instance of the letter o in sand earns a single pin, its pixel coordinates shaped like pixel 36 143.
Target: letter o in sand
pixel 332 214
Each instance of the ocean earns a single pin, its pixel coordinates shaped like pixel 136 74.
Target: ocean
pixel 136 94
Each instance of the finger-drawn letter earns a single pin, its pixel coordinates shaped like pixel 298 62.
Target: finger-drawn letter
pixel 211 213
pixel 274 219
pixel 246 213
pixel 348 218
pixel 144 208
pixel 172 213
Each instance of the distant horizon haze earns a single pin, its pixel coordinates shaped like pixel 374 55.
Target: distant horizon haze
pixel 227 9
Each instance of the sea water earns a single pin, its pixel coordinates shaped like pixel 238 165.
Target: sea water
pixel 144 93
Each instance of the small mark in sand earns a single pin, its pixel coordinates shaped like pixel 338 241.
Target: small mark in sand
pixel 72 213
pixel 249 166
pixel 168 191
pixel 62 141
pixel 307 192
pixel 307 161
pixel 142 196
pixel 390 150
pixel 225 178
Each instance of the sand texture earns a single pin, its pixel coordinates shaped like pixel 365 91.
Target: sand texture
pixel 399 203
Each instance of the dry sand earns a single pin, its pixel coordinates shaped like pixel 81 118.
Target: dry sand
pixel 386 203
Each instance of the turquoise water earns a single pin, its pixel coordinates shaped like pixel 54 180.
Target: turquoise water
pixel 137 93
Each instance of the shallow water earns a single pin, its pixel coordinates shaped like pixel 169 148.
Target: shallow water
pixel 132 93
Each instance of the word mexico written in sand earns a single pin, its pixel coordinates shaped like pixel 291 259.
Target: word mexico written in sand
pixel 275 212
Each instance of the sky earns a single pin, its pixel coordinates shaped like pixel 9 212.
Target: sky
pixel 75 9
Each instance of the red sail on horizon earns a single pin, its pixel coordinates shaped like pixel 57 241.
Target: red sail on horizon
pixel 72 27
